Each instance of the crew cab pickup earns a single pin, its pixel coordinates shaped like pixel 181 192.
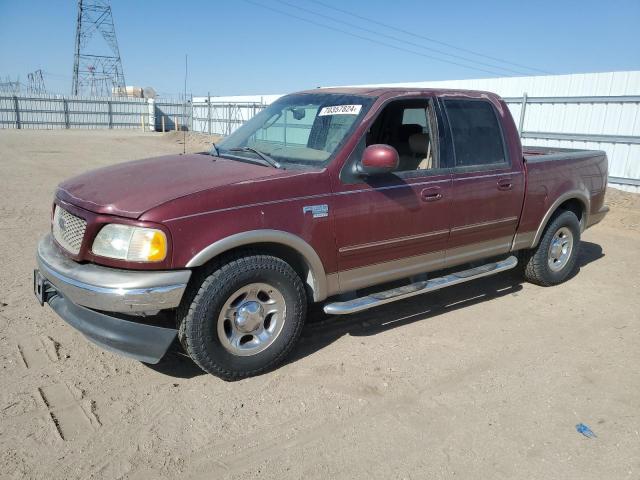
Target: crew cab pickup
pixel 321 195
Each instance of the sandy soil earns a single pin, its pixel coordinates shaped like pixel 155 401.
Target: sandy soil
pixel 486 380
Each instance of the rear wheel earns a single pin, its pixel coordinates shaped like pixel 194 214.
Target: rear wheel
pixel 555 257
pixel 245 317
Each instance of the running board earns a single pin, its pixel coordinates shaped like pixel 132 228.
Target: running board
pixel 418 288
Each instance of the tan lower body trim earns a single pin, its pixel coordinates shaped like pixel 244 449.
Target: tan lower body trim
pixel 333 285
pixel 378 273
pixel 523 240
pixel 388 271
pixel 478 251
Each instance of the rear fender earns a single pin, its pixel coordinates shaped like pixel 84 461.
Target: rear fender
pixel 572 195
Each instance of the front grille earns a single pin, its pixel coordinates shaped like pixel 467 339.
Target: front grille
pixel 68 230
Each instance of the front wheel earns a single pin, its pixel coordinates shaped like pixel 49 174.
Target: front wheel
pixel 245 317
pixel 556 256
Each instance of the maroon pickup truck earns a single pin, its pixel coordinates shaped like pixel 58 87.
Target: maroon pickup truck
pixel 319 196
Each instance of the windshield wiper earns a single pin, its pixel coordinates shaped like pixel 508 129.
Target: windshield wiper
pixel 270 161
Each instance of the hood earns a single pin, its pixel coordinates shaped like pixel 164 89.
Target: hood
pixel 131 188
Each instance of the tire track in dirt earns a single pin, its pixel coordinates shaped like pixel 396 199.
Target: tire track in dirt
pixel 38 351
pixel 70 420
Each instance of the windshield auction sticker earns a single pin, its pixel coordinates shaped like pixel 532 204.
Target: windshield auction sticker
pixel 340 110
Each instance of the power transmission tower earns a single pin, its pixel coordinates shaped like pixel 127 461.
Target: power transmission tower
pixel 36 82
pixel 97 67
pixel 9 86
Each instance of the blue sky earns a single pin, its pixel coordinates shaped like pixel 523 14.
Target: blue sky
pixel 239 47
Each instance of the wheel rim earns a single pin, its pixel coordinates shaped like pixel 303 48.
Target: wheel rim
pixel 251 319
pixel 560 249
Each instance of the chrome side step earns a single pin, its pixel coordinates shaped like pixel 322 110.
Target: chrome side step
pixel 418 288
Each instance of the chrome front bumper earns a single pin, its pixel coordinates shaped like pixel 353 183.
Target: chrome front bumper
pixel 110 289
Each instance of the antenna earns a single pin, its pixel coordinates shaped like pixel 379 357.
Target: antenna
pixel 184 107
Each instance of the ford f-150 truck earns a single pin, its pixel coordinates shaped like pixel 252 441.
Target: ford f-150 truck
pixel 321 195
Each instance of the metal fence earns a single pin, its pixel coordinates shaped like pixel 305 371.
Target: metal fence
pixel 52 112
pixel 222 118
pixel 609 123
pixel 171 115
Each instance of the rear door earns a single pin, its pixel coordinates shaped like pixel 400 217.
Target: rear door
pixel 488 187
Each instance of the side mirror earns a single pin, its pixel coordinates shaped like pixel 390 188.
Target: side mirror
pixel 378 159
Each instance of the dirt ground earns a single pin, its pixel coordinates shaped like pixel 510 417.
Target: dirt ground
pixel 486 380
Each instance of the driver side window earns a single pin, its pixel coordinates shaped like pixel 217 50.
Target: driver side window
pixel 408 126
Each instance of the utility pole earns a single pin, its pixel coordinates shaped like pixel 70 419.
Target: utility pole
pixel 97 66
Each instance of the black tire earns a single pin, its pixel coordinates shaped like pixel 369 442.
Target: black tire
pixel 198 322
pixel 535 262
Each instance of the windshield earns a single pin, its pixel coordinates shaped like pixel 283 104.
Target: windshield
pixel 303 129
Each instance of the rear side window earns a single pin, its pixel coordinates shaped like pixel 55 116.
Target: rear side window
pixel 477 138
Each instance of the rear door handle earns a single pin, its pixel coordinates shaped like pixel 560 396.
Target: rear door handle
pixel 431 194
pixel 505 184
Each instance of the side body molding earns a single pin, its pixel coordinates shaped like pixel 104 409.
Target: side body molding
pixel 572 195
pixel 316 278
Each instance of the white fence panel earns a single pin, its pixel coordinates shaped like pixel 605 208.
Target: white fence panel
pixel 53 112
pixel 606 123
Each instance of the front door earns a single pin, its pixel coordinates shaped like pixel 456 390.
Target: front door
pixel 396 225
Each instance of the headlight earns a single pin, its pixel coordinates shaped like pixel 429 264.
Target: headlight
pixel 134 244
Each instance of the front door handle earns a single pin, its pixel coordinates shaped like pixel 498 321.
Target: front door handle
pixel 505 184
pixel 431 194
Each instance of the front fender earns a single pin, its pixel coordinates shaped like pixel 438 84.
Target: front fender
pixel 317 278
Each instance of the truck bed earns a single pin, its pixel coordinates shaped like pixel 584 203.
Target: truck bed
pixel 554 174
pixel 544 154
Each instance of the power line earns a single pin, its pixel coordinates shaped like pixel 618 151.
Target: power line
pixel 429 39
pixel 400 40
pixel 52 74
pixel 362 37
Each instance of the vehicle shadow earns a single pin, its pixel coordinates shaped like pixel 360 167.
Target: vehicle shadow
pixel 176 364
pixel 589 252
pixel 321 329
